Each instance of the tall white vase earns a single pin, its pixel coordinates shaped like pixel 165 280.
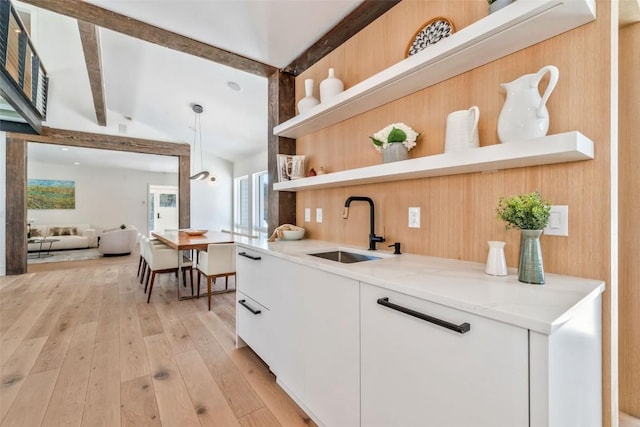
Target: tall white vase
pixel 330 87
pixel 309 101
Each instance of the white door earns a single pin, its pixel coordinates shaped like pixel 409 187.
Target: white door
pixel 163 208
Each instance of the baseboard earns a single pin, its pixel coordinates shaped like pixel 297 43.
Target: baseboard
pixel 627 420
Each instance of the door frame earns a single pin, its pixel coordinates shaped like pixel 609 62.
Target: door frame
pixel 158 188
pixel 16 185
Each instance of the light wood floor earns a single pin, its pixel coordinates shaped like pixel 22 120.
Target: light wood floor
pixel 80 346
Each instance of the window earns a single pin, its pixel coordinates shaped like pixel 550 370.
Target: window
pixel 261 189
pixel 241 194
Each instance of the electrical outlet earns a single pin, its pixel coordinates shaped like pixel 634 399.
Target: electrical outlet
pixel 414 217
pixel 307 214
pixel 558 221
pixel 318 214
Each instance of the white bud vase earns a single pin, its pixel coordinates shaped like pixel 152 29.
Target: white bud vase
pixel 330 87
pixel 309 101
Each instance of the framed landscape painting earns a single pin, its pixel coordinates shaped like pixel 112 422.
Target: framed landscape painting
pixel 51 194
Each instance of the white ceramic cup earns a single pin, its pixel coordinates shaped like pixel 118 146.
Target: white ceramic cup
pixel 462 130
pixel 496 262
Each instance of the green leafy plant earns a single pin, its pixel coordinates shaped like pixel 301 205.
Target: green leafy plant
pixel 524 211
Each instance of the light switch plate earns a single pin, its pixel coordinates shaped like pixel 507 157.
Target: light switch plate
pixel 558 221
pixel 414 217
pixel 318 214
pixel 307 214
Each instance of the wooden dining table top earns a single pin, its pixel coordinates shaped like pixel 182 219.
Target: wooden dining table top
pixel 180 240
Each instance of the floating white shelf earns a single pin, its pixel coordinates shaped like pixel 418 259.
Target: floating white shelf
pixel 560 148
pixel 515 27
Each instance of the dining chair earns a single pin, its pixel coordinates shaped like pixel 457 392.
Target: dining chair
pixel 164 260
pixel 142 262
pixel 219 260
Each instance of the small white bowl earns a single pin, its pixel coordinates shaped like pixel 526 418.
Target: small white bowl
pixel 292 234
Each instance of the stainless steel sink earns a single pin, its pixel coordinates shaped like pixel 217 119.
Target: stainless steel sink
pixel 344 256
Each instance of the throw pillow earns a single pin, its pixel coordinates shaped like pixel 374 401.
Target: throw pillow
pixel 54 231
pixel 35 232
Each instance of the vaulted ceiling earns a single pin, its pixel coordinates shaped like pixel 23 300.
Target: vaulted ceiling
pixel 149 89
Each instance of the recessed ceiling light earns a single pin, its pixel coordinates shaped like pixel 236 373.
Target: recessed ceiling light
pixel 64 149
pixel 234 86
pixel 76 163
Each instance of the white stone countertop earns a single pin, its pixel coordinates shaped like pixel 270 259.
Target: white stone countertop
pixel 462 285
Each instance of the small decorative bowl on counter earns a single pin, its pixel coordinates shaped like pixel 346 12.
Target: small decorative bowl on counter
pixel 196 232
pixel 293 234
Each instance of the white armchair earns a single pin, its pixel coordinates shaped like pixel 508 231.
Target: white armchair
pixel 118 242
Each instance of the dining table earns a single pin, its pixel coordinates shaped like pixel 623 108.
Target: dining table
pixel 181 241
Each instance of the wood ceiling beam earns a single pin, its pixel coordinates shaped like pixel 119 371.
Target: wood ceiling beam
pixel 107 142
pixel 367 12
pixel 90 38
pixel 114 21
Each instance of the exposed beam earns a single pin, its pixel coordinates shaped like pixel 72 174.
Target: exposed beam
pixel 109 142
pixel 363 15
pixel 104 18
pixel 90 38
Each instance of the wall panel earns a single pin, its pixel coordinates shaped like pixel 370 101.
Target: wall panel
pixel 458 212
pixel 629 290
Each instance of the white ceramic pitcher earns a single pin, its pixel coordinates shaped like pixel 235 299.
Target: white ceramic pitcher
pixel 462 130
pixel 524 114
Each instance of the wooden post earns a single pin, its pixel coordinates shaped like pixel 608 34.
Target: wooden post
pixel 282 204
pixel 16 186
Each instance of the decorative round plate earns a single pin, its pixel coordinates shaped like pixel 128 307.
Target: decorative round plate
pixel 196 232
pixel 431 32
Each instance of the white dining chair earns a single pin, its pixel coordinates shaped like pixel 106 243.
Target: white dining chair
pixel 164 260
pixel 219 260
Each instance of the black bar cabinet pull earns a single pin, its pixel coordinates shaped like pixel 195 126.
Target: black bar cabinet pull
pixel 246 255
pixel 243 302
pixel 461 329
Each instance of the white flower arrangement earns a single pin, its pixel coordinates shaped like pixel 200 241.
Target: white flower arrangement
pixel 395 133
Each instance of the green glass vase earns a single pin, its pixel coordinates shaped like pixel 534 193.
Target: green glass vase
pixel 530 269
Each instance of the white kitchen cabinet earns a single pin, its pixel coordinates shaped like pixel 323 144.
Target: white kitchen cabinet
pixel 416 373
pixel 307 331
pixel 332 348
pixel 255 326
pixel 257 275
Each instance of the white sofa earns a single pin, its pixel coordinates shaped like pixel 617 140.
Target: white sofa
pixel 69 236
pixel 118 241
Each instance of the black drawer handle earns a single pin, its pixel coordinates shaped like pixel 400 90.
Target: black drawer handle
pixel 246 255
pixel 243 302
pixel 461 329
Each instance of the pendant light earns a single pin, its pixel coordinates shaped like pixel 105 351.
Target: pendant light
pixel 197 138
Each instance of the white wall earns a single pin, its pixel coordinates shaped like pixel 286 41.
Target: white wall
pixel 256 163
pixel 211 203
pixel 105 197
pixel 3 203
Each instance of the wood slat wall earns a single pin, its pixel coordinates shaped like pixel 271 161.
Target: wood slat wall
pixel 629 224
pixel 458 212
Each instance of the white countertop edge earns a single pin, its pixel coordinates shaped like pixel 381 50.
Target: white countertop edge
pixel 541 308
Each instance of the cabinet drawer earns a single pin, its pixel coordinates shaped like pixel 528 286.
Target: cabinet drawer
pixel 445 372
pixel 256 275
pixel 255 327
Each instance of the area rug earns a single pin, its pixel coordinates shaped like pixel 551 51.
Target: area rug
pixel 58 256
